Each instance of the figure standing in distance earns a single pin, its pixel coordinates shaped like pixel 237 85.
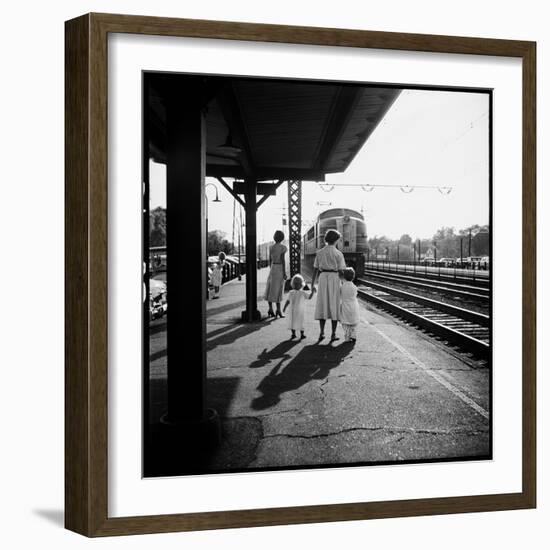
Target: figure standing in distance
pixel 328 264
pixel 217 274
pixel 222 263
pixel 216 280
pixel 277 275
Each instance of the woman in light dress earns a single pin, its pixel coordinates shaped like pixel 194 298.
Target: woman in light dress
pixel 329 262
pixel 277 275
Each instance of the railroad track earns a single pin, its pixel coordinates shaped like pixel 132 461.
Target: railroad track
pixel 466 329
pixel 480 281
pixel 459 290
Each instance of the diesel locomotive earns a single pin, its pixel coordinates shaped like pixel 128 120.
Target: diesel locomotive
pixel 353 244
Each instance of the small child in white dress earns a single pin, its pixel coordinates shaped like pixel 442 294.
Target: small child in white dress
pixel 216 279
pixel 296 299
pixel 349 306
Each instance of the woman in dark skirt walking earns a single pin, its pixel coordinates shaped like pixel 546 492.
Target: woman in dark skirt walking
pixel 277 275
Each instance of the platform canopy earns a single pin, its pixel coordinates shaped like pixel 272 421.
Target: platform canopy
pixel 260 133
pixel 279 129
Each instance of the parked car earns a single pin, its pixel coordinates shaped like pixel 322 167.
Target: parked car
pixel 158 304
pixel 446 262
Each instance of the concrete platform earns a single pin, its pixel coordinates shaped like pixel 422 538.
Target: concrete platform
pixel 396 395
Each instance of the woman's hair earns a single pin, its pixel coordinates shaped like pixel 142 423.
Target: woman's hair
pixel 279 236
pixel 297 282
pixel 221 256
pixel 349 273
pixel 331 236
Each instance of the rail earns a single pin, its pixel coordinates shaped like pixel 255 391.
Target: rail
pixel 466 329
pixel 480 277
pixel 468 292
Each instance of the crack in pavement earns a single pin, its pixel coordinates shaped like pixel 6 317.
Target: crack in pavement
pixel 404 431
pixel 284 411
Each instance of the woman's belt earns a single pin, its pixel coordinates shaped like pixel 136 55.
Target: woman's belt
pixel 328 271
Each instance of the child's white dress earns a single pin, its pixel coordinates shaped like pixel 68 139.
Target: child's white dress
pixel 296 309
pixel 349 309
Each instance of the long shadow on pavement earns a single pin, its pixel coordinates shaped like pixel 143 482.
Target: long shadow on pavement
pixel 221 330
pixel 217 337
pixel 223 308
pixel 313 362
pixel 230 337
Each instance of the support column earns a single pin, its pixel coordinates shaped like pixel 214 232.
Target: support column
pixel 251 313
pixel 186 262
pixel 294 226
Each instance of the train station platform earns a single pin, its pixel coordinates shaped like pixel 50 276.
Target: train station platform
pixel 395 395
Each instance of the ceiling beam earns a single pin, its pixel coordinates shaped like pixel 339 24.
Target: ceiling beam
pixel 389 97
pixel 233 193
pixel 232 114
pixel 265 173
pixel 339 116
pixel 265 197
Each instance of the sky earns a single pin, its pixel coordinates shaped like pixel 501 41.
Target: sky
pixel 430 138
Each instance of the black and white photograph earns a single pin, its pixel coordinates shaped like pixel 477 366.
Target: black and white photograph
pixel 317 274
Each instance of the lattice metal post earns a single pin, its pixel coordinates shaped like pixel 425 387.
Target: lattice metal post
pixel 294 225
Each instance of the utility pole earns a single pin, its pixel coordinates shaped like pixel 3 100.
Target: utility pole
pixel 233 229
pixel 240 241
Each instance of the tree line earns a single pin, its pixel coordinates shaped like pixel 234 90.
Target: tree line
pixel 217 241
pixel 446 242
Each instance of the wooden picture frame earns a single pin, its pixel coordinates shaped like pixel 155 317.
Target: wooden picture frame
pixel 86 282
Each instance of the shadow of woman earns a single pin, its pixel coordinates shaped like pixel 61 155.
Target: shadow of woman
pixel 313 362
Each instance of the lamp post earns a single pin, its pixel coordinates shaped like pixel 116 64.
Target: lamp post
pixel 216 199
